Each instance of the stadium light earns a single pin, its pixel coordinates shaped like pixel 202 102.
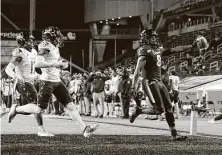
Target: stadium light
pixel 130 16
pixel 107 23
pixel 117 24
pixel 119 17
pixel 106 20
pixel 101 21
pixel 112 18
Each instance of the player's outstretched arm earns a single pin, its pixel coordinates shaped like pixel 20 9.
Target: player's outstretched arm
pixel 11 66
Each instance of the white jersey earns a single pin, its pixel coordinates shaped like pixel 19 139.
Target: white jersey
pixel 25 69
pixel 115 82
pixel 50 74
pixel 174 82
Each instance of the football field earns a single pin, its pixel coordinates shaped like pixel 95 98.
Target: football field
pixel 19 138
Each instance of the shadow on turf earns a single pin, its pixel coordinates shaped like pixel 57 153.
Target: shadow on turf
pixel 107 144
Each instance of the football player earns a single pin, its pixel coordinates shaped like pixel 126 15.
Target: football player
pixel 149 62
pixel 50 83
pixel 23 60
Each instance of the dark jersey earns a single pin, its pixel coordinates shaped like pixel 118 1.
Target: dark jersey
pixel 152 68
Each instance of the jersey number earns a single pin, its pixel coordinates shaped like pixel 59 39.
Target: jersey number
pixel 158 63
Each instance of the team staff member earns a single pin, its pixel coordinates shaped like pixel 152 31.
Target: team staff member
pixel 125 86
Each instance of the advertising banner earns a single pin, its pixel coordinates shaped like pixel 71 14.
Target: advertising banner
pixel 68 35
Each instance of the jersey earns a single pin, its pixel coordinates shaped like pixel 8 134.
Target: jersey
pixel 52 73
pixel 174 80
pixel 152 68
pixel 115 82
pixel 25 68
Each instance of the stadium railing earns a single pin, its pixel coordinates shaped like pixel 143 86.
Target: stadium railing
pixel 172 68
pixel 219 49
pixel 214 65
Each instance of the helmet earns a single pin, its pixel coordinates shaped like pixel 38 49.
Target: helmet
pixel 53 34
pixel 22 39
pixel 149 37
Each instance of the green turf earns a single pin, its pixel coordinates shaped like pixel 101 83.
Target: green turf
pixel 107 144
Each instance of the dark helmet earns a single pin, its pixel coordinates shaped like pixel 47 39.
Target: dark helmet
pixel 52 34
pixel 22 38
pixel 148 37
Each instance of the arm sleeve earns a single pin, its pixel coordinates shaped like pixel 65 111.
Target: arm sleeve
pixel 9 70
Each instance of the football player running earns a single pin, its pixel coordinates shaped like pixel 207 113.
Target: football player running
pixel 149 62
pixel 23 59
pixel 50 83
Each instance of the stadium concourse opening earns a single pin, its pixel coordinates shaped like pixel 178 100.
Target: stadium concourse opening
pixel 112 49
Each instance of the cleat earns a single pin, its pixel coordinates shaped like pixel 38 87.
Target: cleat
pixel 12 112
pixel 44 133
pixel 212 121
pixel 89 130
pixel 135 113
pixel 179 138
pixel 4 111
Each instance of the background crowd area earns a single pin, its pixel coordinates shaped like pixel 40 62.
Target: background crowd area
pixel 100 94
pixel 194 60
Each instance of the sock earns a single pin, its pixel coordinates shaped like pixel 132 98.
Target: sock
pixel 39 119
pixel 74 115
pixel 28 108
pixel 173 132
pixel 171 123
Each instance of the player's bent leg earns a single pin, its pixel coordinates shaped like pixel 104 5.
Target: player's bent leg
pixel 29 93
pixel 62 95
pixel 29 108
pixel 169 114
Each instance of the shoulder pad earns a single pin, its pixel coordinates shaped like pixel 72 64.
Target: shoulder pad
pixel 17 52
pixel 44 45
